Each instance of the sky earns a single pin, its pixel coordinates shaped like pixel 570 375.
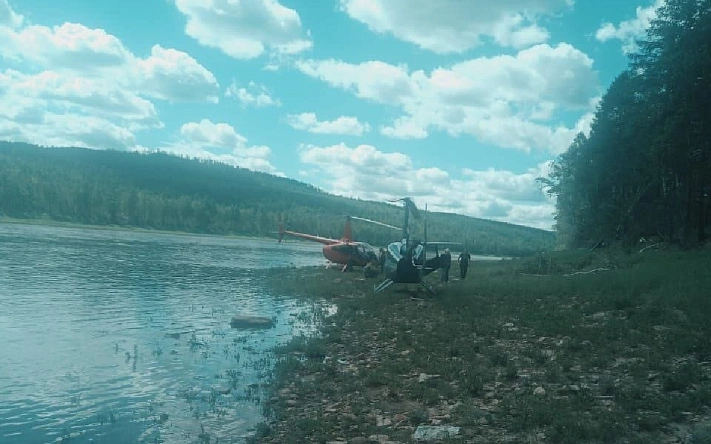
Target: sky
pixel 459 104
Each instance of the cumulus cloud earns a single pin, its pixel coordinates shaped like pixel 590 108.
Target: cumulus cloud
pixel 70 46
pixel 453 26
pixel 252 95
pixel 629 31
pixel 343 125
pixel 509 101
pixel 166 74
pixel 51 108
pixel 373 80
pixel 73 82
pixel 173 75
pixel 245 29
pixel 69 94
pixel 405 128
pixel 29 120
pixel 220 142
pixel 366 172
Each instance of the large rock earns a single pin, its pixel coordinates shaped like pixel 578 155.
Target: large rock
pixel 435 433
pixel 242 321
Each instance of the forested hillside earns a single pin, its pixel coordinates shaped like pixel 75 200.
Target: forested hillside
pixel 166 192
pixel 645 169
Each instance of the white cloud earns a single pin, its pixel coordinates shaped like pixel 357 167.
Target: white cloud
pixel 51 108
pixel 629 31
pixel 173 75
pixel 8 17
pixel 253 95
pixel 507 101
pixel 220 142
pixel 166 74
pixel 244 29
pixel 344 125
pixel 86 131
pixel 404 128
pixel 454 26
pixel 50 122
pixel 73 82
pixel 70 46
pixel 68 94
pixel 374 80
pixel 365 172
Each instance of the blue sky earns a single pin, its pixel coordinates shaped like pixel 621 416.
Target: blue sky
pixel 459 104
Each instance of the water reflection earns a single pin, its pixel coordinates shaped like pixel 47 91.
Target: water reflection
pixel 119 337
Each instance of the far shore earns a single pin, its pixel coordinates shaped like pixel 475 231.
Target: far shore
pixel 61 224
pixel 56 223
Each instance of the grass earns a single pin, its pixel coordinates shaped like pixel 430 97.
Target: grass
pixel 510 354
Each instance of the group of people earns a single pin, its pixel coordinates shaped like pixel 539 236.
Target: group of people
pixel 446 261
pixel 374 268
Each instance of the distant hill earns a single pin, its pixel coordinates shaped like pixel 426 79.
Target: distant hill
pixel 166 192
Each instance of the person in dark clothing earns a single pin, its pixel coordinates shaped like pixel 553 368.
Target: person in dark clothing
pixel 446 262
pixel 371 269
pixel 406 271
pixel 348 266
pixel 382 257
pixel 463 260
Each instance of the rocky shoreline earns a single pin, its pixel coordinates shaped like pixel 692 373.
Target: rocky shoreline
pixel 488 359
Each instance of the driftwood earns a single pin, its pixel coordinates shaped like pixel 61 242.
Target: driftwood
pixel 587 272
pixel 650 246
pixel 569 274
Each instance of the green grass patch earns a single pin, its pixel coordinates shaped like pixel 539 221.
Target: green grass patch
pixel 569 347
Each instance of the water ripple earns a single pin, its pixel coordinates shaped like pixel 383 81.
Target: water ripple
pixel 121 337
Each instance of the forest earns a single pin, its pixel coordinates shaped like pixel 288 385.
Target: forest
pixel 165 192
pixel 644 171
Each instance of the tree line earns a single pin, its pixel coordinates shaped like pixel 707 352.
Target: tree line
pixel 644 171
pixel 166 192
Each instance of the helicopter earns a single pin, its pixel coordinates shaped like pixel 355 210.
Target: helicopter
pixel 410 256
pixel 344 251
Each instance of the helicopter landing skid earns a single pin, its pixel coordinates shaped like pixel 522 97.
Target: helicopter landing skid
pixel 388 282
pixel 383 285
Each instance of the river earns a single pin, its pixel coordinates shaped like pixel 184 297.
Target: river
pixel 120 337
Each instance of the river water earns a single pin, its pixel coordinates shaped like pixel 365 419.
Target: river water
pixel 120 337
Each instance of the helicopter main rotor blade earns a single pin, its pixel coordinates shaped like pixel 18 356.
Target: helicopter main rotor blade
pixel 409 206
pixel 376 222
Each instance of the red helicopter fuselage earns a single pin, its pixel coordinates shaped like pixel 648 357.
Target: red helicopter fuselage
pixel 340 251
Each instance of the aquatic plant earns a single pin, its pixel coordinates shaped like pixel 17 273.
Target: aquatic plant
pixel 157 350
pixel 196 343
pixel 233 376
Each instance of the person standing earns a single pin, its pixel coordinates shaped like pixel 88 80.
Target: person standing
pixel 463 260
pixel 371 269
pixel 382 257
pixel 446 261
